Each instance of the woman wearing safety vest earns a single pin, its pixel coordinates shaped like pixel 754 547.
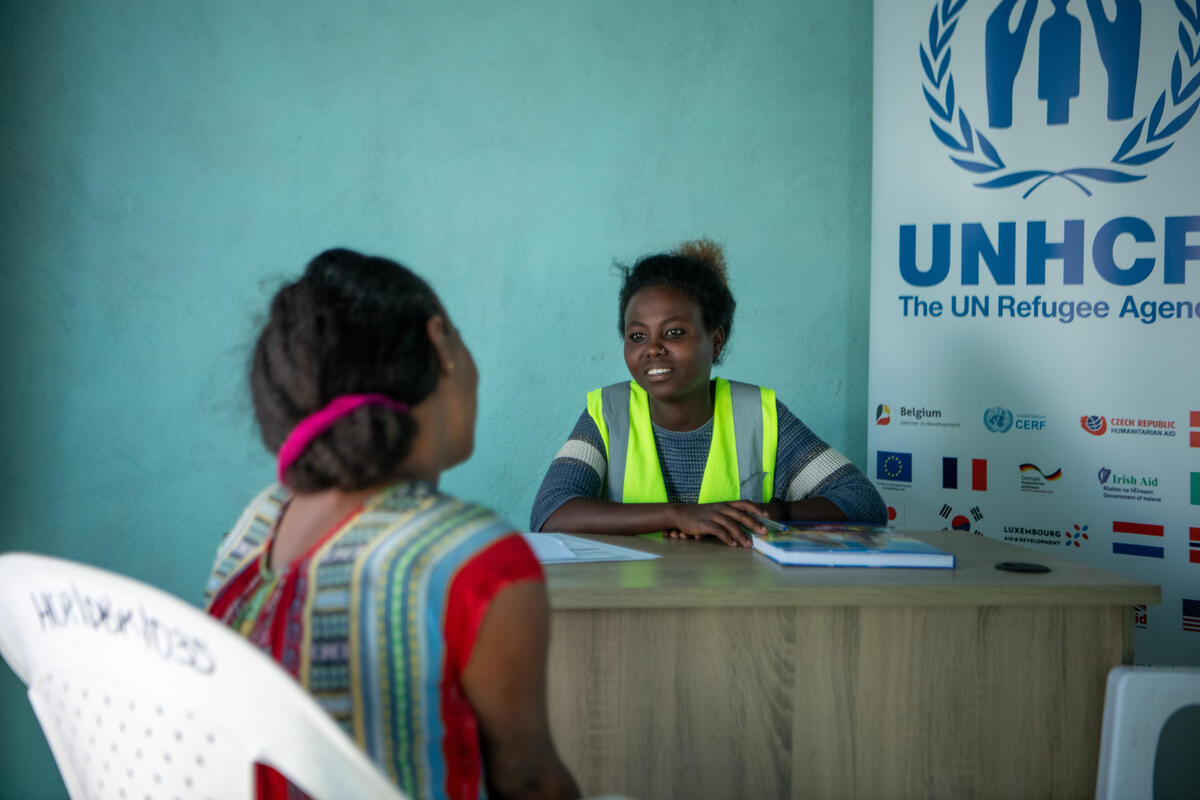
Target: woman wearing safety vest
pixel 678 451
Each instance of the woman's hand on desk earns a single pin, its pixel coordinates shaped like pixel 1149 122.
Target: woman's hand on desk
pixel 725 521
pixel 729 521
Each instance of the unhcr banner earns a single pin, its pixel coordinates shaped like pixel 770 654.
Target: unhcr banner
pixel 1035 288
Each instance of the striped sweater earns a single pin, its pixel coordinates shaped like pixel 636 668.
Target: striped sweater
pixel 804 467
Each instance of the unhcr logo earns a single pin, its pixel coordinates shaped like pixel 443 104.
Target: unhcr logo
pixel 1032 82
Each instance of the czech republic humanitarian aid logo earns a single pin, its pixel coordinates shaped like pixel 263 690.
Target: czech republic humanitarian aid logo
pixel 1049 116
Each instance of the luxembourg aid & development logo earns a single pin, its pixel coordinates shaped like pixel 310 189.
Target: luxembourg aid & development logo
pixel 1119 139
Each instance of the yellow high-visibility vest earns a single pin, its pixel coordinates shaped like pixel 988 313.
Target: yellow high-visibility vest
pixel 741 458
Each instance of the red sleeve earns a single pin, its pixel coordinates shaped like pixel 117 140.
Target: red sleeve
pixel 505 561
pixel 232 592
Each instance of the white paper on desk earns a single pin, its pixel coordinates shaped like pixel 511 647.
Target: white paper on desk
pixel 563 548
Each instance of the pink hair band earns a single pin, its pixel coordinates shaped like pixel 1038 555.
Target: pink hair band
pixel 318 422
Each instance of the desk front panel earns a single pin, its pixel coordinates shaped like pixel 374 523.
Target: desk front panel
pixel 836 702
pixel 712 673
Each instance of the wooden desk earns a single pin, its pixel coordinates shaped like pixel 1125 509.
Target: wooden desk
pixel 716 673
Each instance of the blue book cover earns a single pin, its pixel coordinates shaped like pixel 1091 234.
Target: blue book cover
pixel 845 545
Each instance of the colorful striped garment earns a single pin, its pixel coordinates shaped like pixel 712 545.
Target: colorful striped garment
pixel 377 621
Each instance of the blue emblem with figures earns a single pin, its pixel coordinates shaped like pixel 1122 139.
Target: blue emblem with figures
pixel 1006 40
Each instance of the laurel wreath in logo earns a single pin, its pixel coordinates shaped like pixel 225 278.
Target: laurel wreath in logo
pixel 1149 139
pixel 998 419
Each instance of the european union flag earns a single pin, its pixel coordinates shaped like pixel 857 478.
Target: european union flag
pixel 891 466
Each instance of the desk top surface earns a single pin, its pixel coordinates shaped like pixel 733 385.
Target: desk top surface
pixel 709 574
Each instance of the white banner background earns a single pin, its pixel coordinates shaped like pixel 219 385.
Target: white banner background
pixel 934 376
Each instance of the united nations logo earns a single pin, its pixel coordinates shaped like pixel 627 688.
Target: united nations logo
pixel 998 419
pixel 1027 69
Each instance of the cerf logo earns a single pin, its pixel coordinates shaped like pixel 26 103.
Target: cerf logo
pixel 1094 424
pixel 883 414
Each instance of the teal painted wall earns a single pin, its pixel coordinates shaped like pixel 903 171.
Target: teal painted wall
pixel 166 165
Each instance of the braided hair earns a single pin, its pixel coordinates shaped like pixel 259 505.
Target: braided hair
pixel 352 324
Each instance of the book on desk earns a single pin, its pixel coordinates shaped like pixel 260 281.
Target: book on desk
pixel 846 545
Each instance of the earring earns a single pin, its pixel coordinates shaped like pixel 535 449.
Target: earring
pixel 449 366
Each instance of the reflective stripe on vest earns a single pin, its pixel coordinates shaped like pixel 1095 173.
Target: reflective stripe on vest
pixel 741 457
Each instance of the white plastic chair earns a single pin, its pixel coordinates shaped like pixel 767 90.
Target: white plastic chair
pixel 1138 702
pixel 141 695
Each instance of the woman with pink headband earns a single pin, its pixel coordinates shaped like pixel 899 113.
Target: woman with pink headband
pixel 419 621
